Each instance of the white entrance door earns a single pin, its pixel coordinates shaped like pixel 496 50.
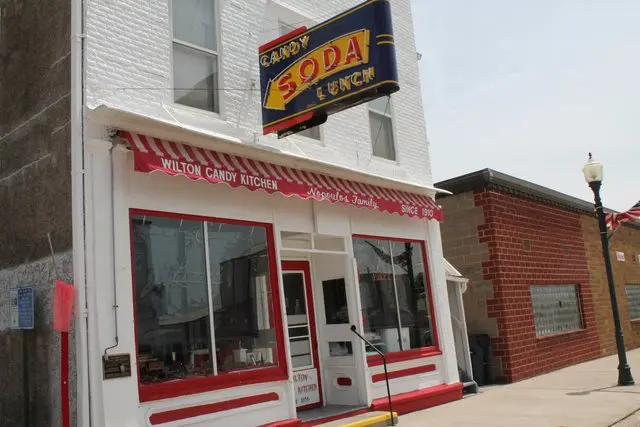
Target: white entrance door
pixel 298 294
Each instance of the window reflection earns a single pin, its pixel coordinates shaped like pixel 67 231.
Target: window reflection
pixel 379 312
pixel 413 301
pixel 174 305
pixel 171 299
pixel 241 298
pixel 393 293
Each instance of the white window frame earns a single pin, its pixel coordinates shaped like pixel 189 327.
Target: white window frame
pixel 217 53
pixel 387 115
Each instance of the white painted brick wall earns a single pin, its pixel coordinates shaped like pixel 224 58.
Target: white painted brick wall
pixel 128 66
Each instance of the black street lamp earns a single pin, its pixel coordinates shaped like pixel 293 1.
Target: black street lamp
pixel 593 175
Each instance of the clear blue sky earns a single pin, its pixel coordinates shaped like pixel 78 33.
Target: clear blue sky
pixel 529 87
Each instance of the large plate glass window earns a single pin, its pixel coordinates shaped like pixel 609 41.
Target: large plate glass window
pixel 195 54
pixel 394 294
pixel 203 298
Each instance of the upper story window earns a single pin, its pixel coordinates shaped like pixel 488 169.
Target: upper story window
pixel 195 54
pixel 380 120
pixel 314 132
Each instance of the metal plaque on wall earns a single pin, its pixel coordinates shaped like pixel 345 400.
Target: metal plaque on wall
pixel 116 366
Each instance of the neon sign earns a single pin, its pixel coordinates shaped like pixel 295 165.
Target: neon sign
pixel 309 74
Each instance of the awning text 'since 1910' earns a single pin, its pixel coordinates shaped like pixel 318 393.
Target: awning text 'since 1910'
pixel 172 158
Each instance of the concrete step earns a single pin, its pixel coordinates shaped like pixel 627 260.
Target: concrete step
pixel 370 419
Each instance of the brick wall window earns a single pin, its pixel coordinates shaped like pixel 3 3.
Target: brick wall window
pixel 195 54
pixel 395 294
pixel 380 120
pixel 556 309
pixel 633 301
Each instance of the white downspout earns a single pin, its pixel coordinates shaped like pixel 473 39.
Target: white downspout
pixel 78 214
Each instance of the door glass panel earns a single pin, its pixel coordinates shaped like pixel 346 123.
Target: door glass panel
pixel 297 320
pixel 294 295
pixel 301 361
pixel 298 331
pixel 335 301
pixel 300 347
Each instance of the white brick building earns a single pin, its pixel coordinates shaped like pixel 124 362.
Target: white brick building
pixel 226 300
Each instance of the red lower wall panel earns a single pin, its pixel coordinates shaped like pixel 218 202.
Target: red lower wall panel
pixel 211 408
pixel 421 399
pixel 404 372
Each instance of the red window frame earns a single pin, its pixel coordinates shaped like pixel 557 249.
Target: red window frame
pixel 414 353
pixel 188 386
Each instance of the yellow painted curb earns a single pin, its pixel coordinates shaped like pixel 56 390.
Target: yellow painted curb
pixel 370 421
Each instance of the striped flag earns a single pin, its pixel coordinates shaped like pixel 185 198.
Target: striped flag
pixel 613 220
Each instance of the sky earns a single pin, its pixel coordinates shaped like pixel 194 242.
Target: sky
pixel 529 87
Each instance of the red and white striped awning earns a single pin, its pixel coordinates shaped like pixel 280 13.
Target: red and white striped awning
pixel 172 158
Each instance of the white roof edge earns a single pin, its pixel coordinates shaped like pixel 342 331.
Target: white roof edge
pixel 107 115
pixel 452 273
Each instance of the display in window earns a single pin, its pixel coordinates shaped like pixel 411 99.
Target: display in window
pixel 394 295
pixel 188 274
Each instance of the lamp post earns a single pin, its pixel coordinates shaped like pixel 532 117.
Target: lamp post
pixel 593 175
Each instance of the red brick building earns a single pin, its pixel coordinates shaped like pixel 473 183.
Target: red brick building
pixel 523 247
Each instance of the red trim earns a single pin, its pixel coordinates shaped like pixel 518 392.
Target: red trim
pixel 211 408
pixel 404 372
pixel 417 353
pixel 403 356
pixel 291 34
pixel 420 399
pixel 344 381
pixel 150 392
pixel 64 377
pixel 291 266
pixel 288 123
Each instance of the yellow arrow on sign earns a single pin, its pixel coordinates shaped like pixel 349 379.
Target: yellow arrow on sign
pixel 339 54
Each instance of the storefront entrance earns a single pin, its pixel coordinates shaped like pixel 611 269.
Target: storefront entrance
pixel 301 324
pixel 320 296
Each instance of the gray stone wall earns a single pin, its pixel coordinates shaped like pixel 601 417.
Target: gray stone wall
pixel 35 166
pixel 42 349
pixel 35 196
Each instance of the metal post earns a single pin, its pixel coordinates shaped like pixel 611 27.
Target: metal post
pixel 624 370
pixel 25 379
pixel 384 363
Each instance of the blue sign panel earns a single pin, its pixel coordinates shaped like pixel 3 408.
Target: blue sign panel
pixel 22 306
pixel 309 74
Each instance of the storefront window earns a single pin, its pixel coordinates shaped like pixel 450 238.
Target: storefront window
pixel 394 294
pixel 241 296
pixel 190 275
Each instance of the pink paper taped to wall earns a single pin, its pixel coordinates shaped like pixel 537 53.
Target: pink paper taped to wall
pixel 62 306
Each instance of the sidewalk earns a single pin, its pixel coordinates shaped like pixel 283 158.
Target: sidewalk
pixel 584 395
